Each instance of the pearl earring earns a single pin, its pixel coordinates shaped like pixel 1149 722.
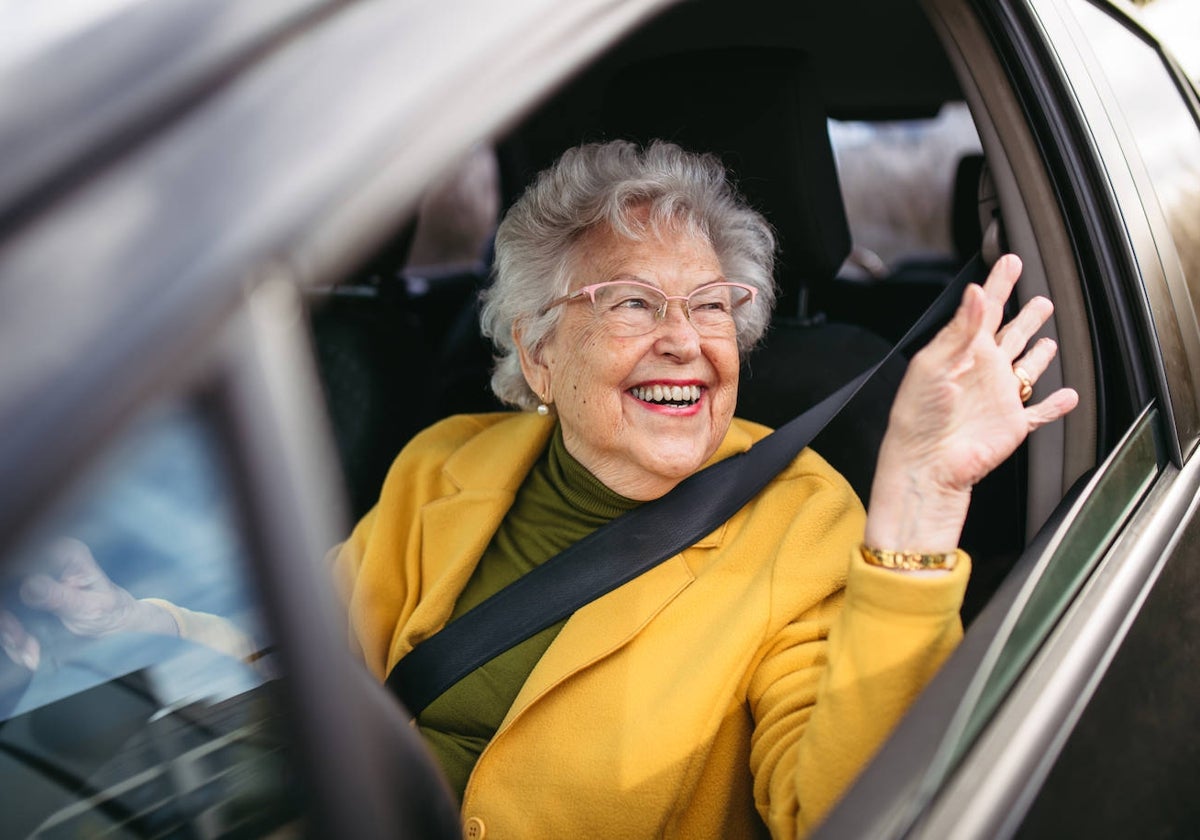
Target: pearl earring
pixel 543 409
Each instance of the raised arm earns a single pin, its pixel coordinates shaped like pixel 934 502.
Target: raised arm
pixel 958 415
pixel 73 588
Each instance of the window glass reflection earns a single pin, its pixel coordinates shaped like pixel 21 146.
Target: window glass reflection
pixel 110 724
pixel 1163 127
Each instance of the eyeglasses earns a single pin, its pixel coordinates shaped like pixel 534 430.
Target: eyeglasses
pixel 628 308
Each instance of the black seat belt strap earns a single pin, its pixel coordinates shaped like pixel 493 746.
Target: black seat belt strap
pixel 634 541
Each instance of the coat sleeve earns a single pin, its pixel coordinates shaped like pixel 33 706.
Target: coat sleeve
pixel 214 631
pixel 834 681
pixel 378 571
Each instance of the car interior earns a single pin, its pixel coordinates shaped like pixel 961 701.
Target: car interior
pixel 888 143
pixel 398 341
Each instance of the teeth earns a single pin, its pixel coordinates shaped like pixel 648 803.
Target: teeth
pixel 680 394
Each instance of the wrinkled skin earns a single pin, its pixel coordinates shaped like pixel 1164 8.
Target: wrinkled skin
pixel 72 587
pixel 638 449
pixel 958 415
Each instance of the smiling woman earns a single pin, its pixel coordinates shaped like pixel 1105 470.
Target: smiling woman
pixel 743 682
pixel 598 378
pixel 755 671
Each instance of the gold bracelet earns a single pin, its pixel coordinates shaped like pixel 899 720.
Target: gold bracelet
pixel 908 561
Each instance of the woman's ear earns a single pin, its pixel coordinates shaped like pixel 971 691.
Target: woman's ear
pixel 534 367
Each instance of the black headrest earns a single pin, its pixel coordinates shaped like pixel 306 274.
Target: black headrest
pixel 761 112
pixel 965 225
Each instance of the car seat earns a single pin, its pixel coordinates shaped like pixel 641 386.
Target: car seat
pixel 760 112
pixel 889 302
pixel 373 357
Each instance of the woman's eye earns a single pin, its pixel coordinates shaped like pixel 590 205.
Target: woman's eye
pixel 710 303
pixel 633 303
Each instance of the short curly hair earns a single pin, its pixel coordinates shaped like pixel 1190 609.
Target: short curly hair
pixel 604 184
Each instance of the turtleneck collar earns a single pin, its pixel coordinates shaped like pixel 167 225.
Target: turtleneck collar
pixel 578 487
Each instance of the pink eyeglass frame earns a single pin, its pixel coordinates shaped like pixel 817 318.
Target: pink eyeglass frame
pixel 660 314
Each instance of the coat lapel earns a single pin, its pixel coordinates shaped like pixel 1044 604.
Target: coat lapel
pixel 455 529
pixel 608 623
pixel 602 627
pixel 488 472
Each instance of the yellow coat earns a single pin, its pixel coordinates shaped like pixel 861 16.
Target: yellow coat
pixel 684 701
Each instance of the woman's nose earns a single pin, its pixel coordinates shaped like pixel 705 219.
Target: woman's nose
pixel 675 314
pixel 675 333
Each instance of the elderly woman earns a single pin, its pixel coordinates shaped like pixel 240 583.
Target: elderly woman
pixel 745 681
pixel 751 676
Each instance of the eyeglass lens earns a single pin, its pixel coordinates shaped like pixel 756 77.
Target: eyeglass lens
pixel 630 309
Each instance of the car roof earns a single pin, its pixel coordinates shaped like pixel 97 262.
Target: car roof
pixel 297 144
pixel 83 82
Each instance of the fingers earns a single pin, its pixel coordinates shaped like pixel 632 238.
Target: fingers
pixel 72 575
pixel 954 340
pixel 982 307
pixel 71 561
pixel 1052 408
pixel 1039 357
pixel 43 592
pixel 1014 335
pixel 20 646
pixel 998 287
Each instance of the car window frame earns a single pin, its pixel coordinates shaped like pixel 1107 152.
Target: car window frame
pixel 1174 315
pixel 929 767
pixel 226 310
pixel 878 804
pixel 1148 281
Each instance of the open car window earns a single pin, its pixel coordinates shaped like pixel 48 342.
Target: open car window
pixel 141 734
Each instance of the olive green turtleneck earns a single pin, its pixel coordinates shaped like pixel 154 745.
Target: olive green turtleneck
pixel 558 504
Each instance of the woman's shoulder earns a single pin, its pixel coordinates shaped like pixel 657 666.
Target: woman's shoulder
pixel 470 441
pixel 807 465
pixel 449 433
pixel 452 432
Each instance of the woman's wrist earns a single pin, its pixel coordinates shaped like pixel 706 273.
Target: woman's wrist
pixel 909 561
pixel 910 512
pixel 154 618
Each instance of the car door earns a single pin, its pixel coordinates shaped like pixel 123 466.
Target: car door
pixel 174 175
pixel 1069 708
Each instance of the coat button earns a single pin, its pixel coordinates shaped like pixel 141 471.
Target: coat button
pixel 474 829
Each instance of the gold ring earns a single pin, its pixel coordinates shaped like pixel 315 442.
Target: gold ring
pixel 1026 382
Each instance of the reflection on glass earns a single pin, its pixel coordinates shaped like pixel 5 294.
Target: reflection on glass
pixel 1163 127
pixel 109 720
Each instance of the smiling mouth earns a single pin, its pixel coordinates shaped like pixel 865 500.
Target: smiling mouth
pixel 677 395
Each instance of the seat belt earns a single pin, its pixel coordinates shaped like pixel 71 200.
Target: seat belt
pixel 635 541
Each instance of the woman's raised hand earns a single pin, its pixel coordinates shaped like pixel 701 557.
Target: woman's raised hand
pixel 958 414
pixel 73 588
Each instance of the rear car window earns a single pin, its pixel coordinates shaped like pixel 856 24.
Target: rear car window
pixel 898 184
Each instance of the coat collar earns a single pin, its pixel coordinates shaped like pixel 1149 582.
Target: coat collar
pixel 503 453
pixel 500 456
pixel 488 470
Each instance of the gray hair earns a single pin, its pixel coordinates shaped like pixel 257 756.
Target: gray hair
pixel 603 184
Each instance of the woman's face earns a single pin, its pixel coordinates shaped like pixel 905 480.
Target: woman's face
pixel 637 447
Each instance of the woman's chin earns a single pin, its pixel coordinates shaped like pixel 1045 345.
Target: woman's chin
pixel 674 467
